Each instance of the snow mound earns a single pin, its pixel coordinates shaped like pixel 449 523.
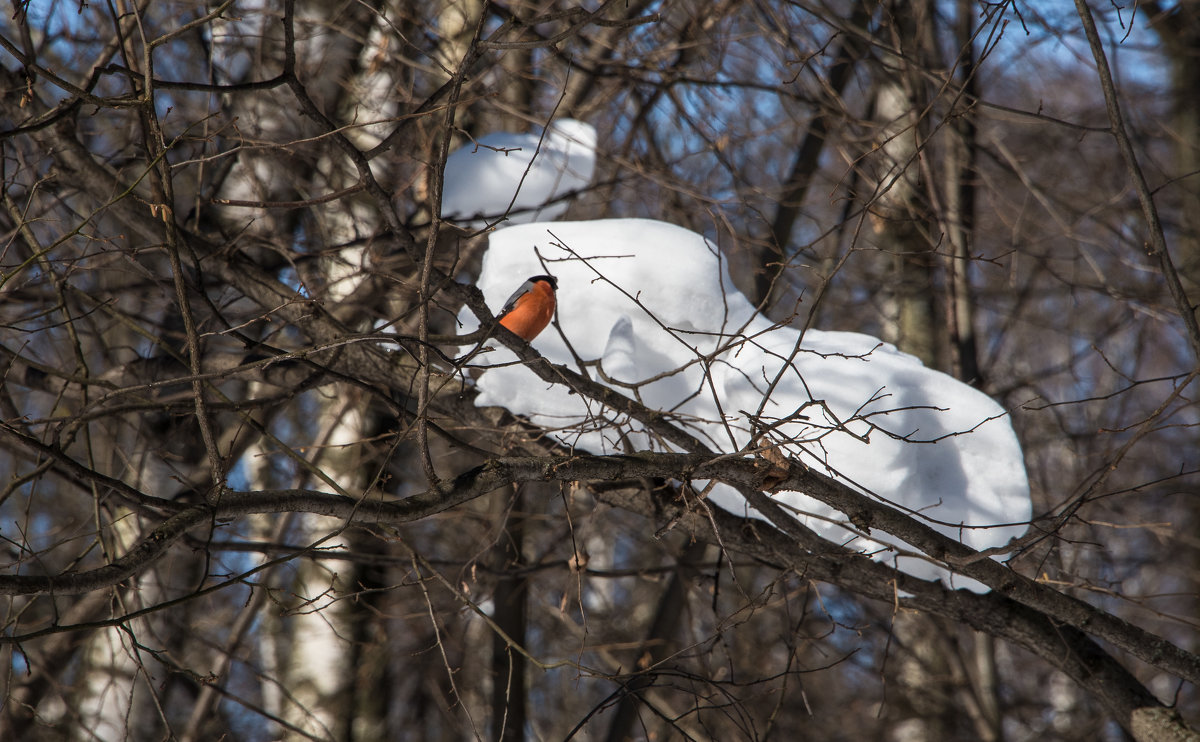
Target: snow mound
pixel 649 303
pixel 518 175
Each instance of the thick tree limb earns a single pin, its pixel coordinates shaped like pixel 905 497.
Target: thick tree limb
pixel 739 471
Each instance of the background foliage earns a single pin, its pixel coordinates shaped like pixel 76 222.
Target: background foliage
pixel 229 511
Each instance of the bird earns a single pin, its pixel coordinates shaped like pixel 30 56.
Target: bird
pixel 531 307
pixel 525 314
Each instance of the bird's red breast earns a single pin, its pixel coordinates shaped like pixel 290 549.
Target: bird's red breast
pixel 531 307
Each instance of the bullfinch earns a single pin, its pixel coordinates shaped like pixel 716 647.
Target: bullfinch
pixel 530 308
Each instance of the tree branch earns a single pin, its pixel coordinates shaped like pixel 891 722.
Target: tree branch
pixel 1158 240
